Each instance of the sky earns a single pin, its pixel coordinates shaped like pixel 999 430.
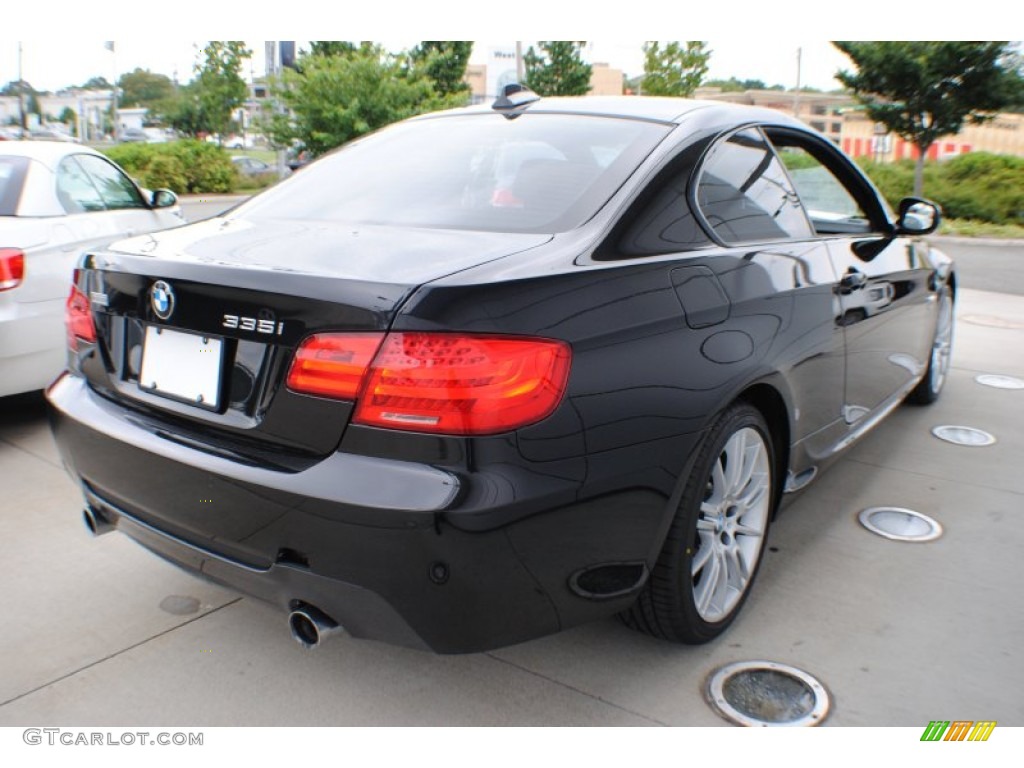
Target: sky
pixel 50 65
pixel 63 40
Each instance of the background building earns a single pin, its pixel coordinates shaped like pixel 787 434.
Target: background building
pixel 843 120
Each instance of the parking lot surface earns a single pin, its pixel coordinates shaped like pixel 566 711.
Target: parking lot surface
pixel 100 632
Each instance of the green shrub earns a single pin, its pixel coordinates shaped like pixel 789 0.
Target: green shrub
pixel 978 185
pixel 208 167
pixel 186 166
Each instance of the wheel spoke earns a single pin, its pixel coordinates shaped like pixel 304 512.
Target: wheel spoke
pixel 738 569
pixel 701 558
pixel 718 484
pixel 734 452
pixel 750 457
pixel 746 530
pixel 756 490
pixel 708 584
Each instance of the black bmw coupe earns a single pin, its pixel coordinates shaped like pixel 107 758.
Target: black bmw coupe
pixel 490 373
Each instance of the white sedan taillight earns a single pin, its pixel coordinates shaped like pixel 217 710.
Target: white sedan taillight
pixel 12 268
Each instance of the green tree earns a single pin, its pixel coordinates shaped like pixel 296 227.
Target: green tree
pixel 332 47
pixel 142 88
pixel 97 83
pixel 557 68
pixel 184 112
pixel 675 68
pixel 333 99
pixel 14 87
pixel 924 90
pixel 218 86
pixel 735 84
pixel 69 118
pixel 445 63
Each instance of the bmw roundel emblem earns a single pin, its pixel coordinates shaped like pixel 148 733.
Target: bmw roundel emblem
pixel 161 297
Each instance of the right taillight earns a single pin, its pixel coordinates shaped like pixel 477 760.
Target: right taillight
pixel 441 383
pixel 12 268
pixel 78 317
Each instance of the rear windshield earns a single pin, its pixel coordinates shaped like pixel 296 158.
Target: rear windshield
pixel 536 173
pixel 12 177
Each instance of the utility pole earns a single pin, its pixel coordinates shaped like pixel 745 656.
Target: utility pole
pixel 796 94
pixel 21 96
pixel 520 70
pixel 110 45
pixel 272 50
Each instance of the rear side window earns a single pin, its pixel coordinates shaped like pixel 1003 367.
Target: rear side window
pixel 12 179
pixel 745 195
pixel 537 173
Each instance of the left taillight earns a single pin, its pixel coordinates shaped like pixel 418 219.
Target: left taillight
pixel 12 268
pixel 77 317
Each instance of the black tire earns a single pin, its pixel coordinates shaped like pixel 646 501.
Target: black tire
pixel 668 607
pixel 929 388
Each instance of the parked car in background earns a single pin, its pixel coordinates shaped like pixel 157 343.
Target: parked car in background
pixel 133 135
pixel 474 379
pixel 242 141
pixel 236 140
pixel 251 166
pixel 48 134
pixel 158 135
pixel 56 200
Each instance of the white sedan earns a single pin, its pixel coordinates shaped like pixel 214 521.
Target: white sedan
pixel 57 200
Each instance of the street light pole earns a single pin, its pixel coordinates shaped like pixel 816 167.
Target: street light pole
pixel 796 95
pixel 21 95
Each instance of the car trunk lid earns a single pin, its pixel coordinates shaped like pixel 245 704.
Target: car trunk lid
pixel 197 326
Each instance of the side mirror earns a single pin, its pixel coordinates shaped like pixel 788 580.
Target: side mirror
pixel 918 217
pixel 163 198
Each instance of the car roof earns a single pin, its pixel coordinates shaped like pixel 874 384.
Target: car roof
pixel 657 108
pixel 48 152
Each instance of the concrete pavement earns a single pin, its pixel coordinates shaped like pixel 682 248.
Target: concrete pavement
pixel 99 632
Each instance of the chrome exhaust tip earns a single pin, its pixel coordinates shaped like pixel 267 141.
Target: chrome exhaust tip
pixel 96 522
pixel 311 626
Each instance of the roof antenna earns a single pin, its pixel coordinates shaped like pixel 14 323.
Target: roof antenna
pixel 514 100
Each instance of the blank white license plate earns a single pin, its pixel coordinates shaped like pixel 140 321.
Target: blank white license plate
pixel 185 366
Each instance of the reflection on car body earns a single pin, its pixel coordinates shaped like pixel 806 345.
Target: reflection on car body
pixel 532 366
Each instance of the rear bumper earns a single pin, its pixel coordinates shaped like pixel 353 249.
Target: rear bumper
pixel 361 612
pixel 374 543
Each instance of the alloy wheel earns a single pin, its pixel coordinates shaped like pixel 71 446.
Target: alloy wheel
pixel 731 525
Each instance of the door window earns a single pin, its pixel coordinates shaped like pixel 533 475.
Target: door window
pixel 75 189
pixel 830 206
pixel 836 195
pixel 116 189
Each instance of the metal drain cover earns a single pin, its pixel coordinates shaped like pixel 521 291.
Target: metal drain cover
pixel 900 524
pixel 763 693
pixel 999 381
pixel 968 436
